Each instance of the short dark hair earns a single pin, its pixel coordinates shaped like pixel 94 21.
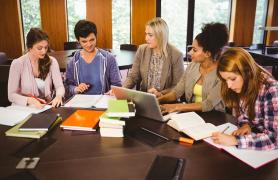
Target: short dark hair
pixel 35 35
pixel 213 37
pixel 83 28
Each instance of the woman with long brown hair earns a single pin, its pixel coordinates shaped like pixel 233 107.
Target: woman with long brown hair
pixel 252 94
pixel 32 75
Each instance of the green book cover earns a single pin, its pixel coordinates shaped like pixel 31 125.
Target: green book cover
pixel 119 108
pixel 14 131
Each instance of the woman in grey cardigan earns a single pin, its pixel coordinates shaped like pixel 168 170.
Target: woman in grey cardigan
pixel 200 83
pixel 158 65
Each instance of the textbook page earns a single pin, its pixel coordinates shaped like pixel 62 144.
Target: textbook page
pixel 89 101
pixel 220 128
pixel 253 158
pixel 11 117
pixel 29 109
pixel 185 120
pixel 200 131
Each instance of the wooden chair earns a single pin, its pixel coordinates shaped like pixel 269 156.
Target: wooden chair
pixel 71 45
pixel 4 76
pixel 129 47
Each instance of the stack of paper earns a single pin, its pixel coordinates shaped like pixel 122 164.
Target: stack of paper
pixel 111 126
pixel 82 120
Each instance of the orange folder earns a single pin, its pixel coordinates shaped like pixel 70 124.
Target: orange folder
pixel 82 120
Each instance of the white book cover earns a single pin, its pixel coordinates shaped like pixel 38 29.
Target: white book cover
pixel 192 124
pixel 89 101
pixel 109 125
pixel 253 158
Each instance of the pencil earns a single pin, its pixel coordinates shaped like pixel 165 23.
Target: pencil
pixel 225 129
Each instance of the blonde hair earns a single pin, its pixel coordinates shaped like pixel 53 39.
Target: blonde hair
pixel 239 61
pixel 161 33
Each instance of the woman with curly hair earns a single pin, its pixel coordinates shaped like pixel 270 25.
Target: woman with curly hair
pixel 200 83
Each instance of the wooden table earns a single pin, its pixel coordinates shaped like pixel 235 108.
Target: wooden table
pixel 89 156
pixel 124 58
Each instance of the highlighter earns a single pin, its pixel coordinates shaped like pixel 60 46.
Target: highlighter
pixel 184 140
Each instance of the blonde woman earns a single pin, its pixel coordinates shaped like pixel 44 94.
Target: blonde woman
pixel 158 65
pixel 252 94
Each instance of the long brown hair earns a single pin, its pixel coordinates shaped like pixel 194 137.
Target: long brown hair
pixel 34 36
pixel 239 61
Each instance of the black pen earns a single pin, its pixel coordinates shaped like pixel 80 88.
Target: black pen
pixel 163 137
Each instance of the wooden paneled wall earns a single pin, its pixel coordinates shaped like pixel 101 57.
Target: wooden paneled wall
pixel 53 20
pixel 141 12
pixel 100 12
pixel 272 20
pixel 11 38
pixel 242 22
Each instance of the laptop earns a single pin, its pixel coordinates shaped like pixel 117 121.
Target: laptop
pixel 146 104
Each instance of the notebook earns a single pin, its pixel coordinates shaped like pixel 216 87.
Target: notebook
pixel 82 120
pixel 89 101
pixel 253 158
pixel 14 132
pixel 192 124
pixel 39 122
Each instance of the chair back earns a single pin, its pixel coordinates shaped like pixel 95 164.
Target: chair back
pixel 71 45
pixel 4 77
pixel 3 58
pixel 129 47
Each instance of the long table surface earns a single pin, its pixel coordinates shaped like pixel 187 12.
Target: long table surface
pixel 124 58
pixel 75 155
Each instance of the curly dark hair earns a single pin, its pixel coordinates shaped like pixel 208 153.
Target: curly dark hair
pixel 213 37
pixel 83 28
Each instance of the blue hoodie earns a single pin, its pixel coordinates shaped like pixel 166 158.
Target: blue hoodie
pixel 109 72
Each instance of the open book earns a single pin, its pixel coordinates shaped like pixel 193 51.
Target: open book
pixel 253 158
pixel 192 124
pixel 14 114
pixel 89 101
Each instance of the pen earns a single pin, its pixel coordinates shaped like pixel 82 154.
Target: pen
pixel 42 101
pixel 225 129
pixel 184 140
pixel 163 137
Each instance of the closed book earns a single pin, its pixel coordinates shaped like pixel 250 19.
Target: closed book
pixel 120 108
pixel 14 132
pixel 112 120
pixel 82 120
pixel 111 132
pixel 39 122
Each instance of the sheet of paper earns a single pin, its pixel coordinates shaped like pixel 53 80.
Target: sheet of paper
pixel 10 117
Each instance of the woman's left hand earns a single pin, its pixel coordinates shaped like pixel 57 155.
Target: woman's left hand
pixel 57 101
pixel 224 139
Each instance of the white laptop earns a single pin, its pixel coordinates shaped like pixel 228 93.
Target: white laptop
pixel 146 104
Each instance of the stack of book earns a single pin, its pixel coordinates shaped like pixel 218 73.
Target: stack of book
pixel 34 127
pixel 112 121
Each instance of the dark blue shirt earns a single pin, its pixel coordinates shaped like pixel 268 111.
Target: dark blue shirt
pixel 89 73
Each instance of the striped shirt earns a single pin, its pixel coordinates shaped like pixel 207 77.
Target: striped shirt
pixel 265 123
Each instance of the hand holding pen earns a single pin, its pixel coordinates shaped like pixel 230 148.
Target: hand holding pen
pixel 35 101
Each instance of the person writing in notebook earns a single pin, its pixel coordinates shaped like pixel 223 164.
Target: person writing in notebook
pixel 200 83
pixel 91 70
pixel 33 75
pixel 252 93
pixel 158 65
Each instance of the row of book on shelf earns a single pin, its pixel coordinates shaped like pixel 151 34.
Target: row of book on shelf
pixel 30 123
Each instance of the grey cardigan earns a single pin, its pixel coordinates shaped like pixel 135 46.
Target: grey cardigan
pixel 211 98
pixel 172 69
